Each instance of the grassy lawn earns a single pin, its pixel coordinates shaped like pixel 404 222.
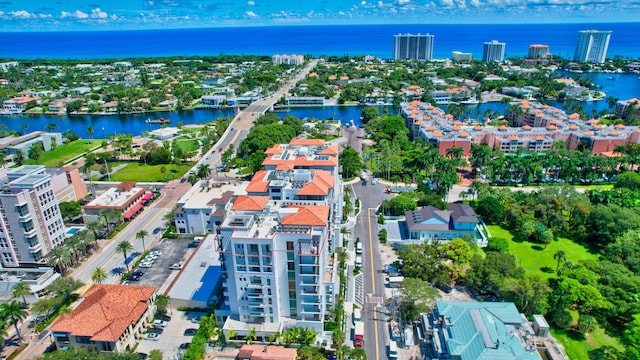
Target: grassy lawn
pixel 64 153
pixel 142 172
pixel 188 145
pixel 191 130
pixel 577 347
pixel 535 259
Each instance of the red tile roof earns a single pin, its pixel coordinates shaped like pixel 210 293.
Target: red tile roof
pixel 262 352
pixel 330 150
pixel 308 215
pixel 250 203
pixel 307 142
pixel 257 183
pixel 106 311
pixel 320 184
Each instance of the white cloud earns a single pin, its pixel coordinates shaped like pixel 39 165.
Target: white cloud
pixel 98 14
pixel 402 2
pixel 251 14
pixel 76 14
pixel 447 3
pixel 251 3
pixel 475 3
pixel 21 14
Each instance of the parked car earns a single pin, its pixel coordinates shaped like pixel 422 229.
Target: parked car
pixel 159 323
pixel 156 330
pixel 145 265
pixel 184 346
pixel 190 332
pixel 152 336
pixel 176 266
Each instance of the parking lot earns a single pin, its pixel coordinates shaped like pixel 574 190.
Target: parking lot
pixel 172 335
pixel 172 251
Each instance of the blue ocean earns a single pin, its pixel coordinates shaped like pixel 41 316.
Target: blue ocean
pixel 337 40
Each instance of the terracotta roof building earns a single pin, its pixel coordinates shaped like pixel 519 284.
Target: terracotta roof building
pixel 108 318
pixel 261 352
pixel 277 243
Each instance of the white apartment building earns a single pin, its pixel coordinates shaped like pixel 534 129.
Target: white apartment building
pixel 30 220
pixel 277 243
pixel 279 268
pixel 459 56
pixel 204 206
pixel 493 51
pixel 292 59
pixel 538 51
pixel 592 46
pixel 413 46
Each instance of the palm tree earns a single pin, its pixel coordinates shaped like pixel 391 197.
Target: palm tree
pixel 455 152
pixel 35 151
pixel 13 313
pixel 99 275
pixel 94 227
pixel 162 302
pixel 124 247
pixel 251 336
pixel 560 256
pixel 203 171
pixel 21 289
pixel 59 257
pixel 18 158
pixel 140 235
pixel 231 334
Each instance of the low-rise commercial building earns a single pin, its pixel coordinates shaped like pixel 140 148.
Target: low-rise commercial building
pixel 127 198
pixel 108 318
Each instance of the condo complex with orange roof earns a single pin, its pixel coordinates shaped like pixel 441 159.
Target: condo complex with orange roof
pixel 277 241
pixel 536 128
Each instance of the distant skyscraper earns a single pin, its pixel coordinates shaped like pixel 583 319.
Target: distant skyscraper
pixel 592 46
pixel 537 51
pixel 493 51
pixel 412 47
pixel 461 56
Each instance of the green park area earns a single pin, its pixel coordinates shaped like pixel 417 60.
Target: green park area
pixel 188 145
pixel 536 259
pixel 64 153
pixel 138 172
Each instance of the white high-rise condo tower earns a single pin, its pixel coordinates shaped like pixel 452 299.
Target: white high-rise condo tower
pixel 493 51
pixel 592 46
pixel 413 47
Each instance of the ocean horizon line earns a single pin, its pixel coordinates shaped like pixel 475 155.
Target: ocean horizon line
pixel 245 27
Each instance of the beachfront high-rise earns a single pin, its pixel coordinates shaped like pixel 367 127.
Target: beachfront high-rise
pixel 459 56
pixel 592 46
pixel 413 47
pixel 538 51
pixel 493 51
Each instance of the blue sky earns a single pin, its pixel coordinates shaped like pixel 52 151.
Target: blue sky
pixel 40 15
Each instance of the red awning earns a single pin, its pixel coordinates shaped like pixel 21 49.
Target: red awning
pixel 132 211
pixel 147 196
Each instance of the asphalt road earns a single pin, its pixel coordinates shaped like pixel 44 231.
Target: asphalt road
pixel 376 332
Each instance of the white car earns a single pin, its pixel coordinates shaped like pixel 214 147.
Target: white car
pixel 145 265
pixel 176 266
pixel 152 336
pixel 159 323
